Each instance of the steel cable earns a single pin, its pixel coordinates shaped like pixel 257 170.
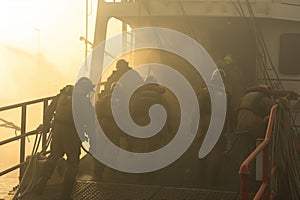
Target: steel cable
pixel 284 155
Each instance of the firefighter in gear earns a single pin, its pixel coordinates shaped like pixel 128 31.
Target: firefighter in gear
pixel 104 104
pixel 105 100
pixel 212 166
pixel 149 94
pixel 235 76
pixel 65 139
pixel 254 107
pixel 122 67
pixel 84 113
pixel 251 124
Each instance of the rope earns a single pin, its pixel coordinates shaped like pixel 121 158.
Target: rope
pixel 263 56
pixel 8 124
pixel 32 165
pixel 286 180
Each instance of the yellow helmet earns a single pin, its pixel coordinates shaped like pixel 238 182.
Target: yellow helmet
pixel 228 59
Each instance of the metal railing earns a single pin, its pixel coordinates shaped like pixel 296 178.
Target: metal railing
pixel 24 134
pixel 245 166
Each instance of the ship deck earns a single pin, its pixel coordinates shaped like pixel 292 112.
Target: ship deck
pixel 111 191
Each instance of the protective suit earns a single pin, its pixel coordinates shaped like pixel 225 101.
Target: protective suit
pixel 254 107
pixel 122 67
pixel 212 168
pixel 251 124
pixel 65 140
pixel 235 76
pixel 106 120
pixel 65 137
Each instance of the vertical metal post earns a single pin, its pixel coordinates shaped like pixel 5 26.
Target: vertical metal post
pixel 244 187
pixel 272 193
pixel 124 37
pixel 44 136
pixel 265 171
pixel 259 162
pixel 22 141
pixel 86 28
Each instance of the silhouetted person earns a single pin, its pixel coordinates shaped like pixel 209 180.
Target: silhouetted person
pixel 212 165
pixel 104 104
pixel 235 77
pixel 105 98
pixel 121 68
pixel 65 139
pixel 84 113
pixel 254 107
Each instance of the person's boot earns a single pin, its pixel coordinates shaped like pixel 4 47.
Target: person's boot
pixel 46 173
pixel 66 193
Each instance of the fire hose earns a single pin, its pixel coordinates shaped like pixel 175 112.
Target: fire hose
pixel 32 165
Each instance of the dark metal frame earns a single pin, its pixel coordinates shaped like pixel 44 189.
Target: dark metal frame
pixel 245 166
pixel 24 134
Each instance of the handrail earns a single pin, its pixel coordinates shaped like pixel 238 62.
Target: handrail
pixel 245 166
pixel 25 103
pixel 12 168
pixel 18 137
pixel 291 95
pixel 282 79
pixel 23 107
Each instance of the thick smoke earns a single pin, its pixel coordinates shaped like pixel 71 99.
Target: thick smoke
pixel 26 76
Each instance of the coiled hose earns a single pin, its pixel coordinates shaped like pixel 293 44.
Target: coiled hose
pixel 32 165
pixel 286 181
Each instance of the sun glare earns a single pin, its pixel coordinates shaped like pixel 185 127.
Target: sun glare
pixel 45 30
pixel 17 19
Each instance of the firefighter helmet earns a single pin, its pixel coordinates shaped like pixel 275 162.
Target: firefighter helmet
pixel 85 84
pixel 228 59
pixel 121 64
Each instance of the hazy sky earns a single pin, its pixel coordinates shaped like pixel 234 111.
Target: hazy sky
pixel 28 70
pixel 33 67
